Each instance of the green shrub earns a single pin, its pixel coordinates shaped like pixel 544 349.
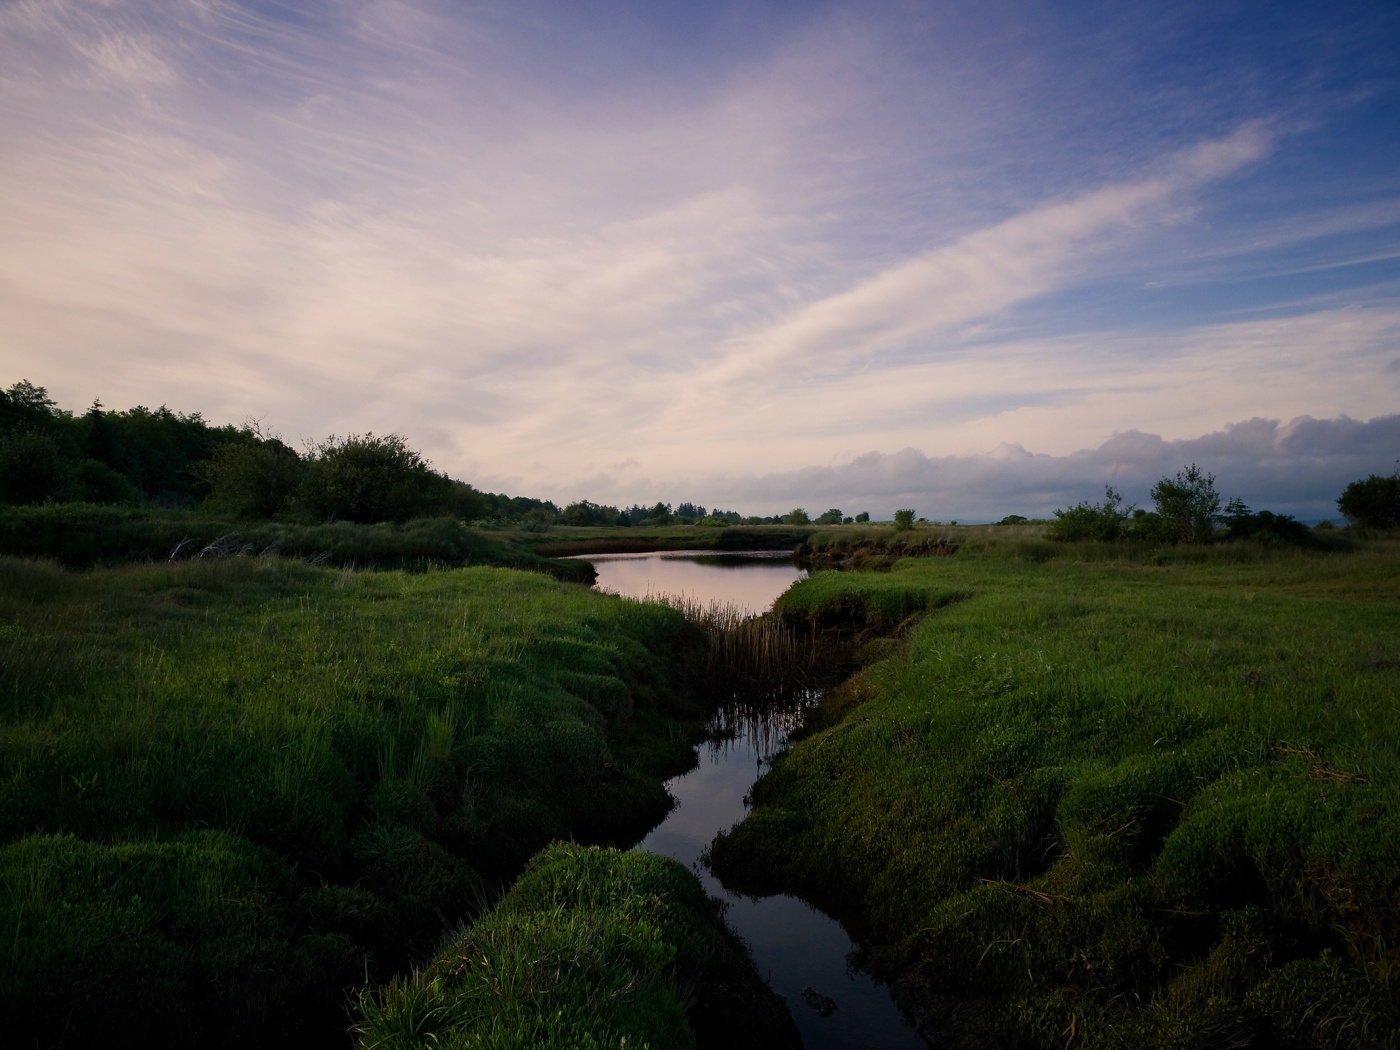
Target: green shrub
pixel 1106 521
pixel 1188 507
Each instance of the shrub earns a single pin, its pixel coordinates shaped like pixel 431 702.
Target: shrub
pixel 1243 524
pixel 796 516
pixel 904 520
pixel 1092 521
pixel 253 479
pixel 862 517
pixel 1373 502
pixel 1188 505
pixel 831 517
pixel 366 478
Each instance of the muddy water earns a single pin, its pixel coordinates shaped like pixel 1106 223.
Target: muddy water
pixel 801 951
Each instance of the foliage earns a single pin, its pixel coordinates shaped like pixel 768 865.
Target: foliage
pixel 80 534
pixel 904 520
pixel 1106 521
pixel 1146 800
pixel 590 948
pixel 1188 507
pixel 368 478
pixel 278 778
pixel 830 517
pixel 257 478
pixel 796 516
pixel 862 517
pixel 1243 524
pixel 1373 502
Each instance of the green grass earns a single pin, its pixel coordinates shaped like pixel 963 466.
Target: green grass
pixel 347 762
pixel 590 949
pixel 1110 798
pixel 81 535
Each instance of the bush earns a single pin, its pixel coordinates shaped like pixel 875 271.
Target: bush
pixel 253 479
pixel 831 517
pixel 365 478
pixel 796 516
pixel 1092 521
pixel 1243 524
pixel 904 520
pixel 1188 506
pixel 1373 502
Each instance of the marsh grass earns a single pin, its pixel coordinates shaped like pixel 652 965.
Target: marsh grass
pixel 1113 800
pixel 346 760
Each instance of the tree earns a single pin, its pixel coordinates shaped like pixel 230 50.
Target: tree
pixel 1188 507
pixel 862 517
pixel 1105 521
pixel 368 478
pixel 1373 502
pixel 831 517
pixel 796 516
pixel 904 520
pixel 255 478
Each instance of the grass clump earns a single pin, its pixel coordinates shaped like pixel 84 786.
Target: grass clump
pixel 590 948
pixel 258 767
pixel 1112 801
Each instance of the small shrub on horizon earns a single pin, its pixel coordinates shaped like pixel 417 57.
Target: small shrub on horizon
pixel 1106 521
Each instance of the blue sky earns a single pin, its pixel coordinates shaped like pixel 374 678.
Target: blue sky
pixel 977 259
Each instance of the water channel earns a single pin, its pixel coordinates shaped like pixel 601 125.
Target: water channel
pixel 798 949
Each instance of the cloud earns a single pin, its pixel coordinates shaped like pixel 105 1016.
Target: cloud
pixel 1299 467
pixel 979 274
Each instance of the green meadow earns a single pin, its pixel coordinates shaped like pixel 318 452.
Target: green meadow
pixel 235 791
pixel 1104 795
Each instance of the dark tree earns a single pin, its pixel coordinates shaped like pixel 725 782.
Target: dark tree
pixel 1373 502
pixel 368 478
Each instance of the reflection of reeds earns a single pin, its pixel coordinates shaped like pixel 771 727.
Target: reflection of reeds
pixel 762 671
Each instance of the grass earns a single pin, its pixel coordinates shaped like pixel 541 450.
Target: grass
pixel 1111 797
pixel 590 948
pixel 82 535
pixel 232 788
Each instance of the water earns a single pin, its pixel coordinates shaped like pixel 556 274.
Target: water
pixel 751 580
pixel 796 947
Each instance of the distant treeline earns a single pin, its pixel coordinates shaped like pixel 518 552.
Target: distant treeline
pixel 156 457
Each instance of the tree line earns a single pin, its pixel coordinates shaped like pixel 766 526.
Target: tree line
pixel 1187 509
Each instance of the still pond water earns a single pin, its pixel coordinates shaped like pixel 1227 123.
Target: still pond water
pixel 801 951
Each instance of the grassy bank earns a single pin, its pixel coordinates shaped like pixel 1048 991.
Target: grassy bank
pixel 232 790
pixel 590 948
pixel 82 535
pixel 1103 797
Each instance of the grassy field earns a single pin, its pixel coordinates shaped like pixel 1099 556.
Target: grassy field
pixel 233 791
pixel 1096 796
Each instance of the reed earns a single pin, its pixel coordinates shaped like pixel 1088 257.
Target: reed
pixel 762 674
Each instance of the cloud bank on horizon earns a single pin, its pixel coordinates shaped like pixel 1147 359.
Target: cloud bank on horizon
pixel 739 253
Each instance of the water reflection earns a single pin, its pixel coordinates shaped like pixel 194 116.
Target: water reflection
pixel 797 948
pixel 750 580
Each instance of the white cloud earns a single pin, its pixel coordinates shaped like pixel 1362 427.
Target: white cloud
pixel 1299 467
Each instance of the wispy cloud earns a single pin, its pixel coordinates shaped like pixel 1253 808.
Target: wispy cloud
pixel 541 245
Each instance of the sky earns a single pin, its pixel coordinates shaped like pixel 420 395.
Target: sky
pixel 974 258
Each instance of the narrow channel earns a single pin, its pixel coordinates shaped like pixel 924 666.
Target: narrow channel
pixel 800 950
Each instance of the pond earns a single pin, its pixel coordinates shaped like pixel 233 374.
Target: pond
pixel 801 951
